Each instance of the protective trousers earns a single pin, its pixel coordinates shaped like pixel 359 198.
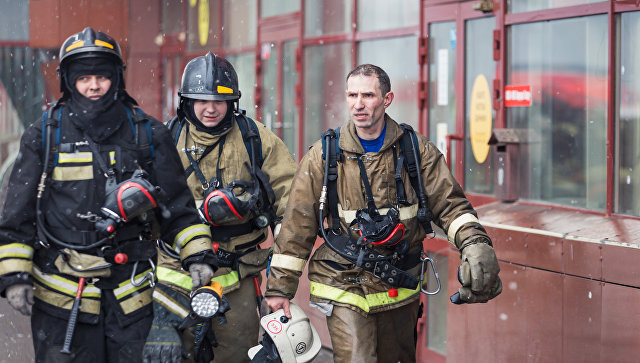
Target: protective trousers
pixel 388 336
pixel 105 341
pixel 242 328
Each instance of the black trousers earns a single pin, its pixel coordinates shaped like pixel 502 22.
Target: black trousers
pixel 106 341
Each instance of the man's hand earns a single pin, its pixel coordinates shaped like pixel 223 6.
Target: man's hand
pixel 478 273
pixel 20 297
pixel 277 303
pixel 201 274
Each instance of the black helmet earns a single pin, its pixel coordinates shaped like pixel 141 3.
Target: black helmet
pixel 89 44
pixel 209 77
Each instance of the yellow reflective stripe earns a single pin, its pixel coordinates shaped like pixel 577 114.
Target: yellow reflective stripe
pixel 75 45
pixel 77 157
pixel 102 43
pixel 223 89
pixel 126 287
pixel 365 303
pixel 227 279
pixel 88 305
pixel 169 303
pixel 405 213
pixel 288 262
pixel 458 223
pixel 18 250
pixel 63 285
pixel 339 295
pixel 12 265
pixel 174 277
pixel 136 302
pixel 68 173
pixel 112 157
pixel 189 233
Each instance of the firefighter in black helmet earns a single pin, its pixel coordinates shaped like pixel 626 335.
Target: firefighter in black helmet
pixel 239 173
pixel 96 182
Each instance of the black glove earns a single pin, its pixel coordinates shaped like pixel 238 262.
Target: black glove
pixel 164 344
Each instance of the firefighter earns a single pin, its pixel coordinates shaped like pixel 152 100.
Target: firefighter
pixel 239 173
pixel 382 184
pixel 96 182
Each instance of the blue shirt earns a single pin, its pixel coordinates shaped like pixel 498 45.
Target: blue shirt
pixel 373 145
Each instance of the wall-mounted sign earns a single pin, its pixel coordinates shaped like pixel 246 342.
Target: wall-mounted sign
pixel 480 118
pixel 517 96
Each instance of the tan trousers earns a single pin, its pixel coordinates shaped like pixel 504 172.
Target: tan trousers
pixel 386 337
pixel 241 330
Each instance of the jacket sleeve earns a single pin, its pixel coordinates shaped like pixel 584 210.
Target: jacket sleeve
pixel 299 227
pixel 18 233
pixel 183 227
pixel 279 166
pixel 451 209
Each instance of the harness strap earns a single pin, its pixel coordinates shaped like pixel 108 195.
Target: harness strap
pixel 371 204
pixel 380 265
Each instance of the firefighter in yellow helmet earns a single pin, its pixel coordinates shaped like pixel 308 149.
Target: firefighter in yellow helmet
pixel 239 173
pixel 96 182
pixel 379 185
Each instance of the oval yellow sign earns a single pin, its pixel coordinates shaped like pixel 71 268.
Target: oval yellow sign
pixel 203 21
pixel 480 119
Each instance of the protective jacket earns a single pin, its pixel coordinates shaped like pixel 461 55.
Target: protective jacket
pixel 233 162
pixel 73 197
pixel 333 278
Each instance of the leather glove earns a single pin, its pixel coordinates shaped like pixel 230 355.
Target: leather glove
pixel 201 274
pixel 164 343
pixel 478 272
pixel 20 297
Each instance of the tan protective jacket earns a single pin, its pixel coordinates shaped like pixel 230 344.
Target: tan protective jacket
pixel 279 167
pixel 349 285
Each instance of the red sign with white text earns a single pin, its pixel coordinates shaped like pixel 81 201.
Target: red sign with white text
pixel 517 96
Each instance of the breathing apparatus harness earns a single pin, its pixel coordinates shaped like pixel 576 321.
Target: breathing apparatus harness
pixel 238 199
pixel 124 201
pixel 376 229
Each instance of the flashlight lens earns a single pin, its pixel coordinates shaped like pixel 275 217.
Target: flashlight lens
pixel 205 304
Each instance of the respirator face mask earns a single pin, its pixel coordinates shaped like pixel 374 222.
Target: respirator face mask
pixel 382 230
pixel 231 203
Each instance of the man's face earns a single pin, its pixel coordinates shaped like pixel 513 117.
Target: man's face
pixel 366 102
pixel 93 86
pixel 210 113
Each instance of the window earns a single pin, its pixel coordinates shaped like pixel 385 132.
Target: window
pixel 239 23
pixel 327 17
pixel 13 24
pixel 628 116
pixel 520 6
pixel 480 70
pixel 397 56
pixel 565 64
pixel 244 64
pixel 385 14
pixel 442 67
pixel 278 7
pixel 325 71
pixel 289 108
pixel 437 305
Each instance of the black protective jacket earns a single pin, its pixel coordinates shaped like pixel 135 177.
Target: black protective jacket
pixel 74 191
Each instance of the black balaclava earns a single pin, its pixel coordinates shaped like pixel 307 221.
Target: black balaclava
pixel 221 127
pixel 99 118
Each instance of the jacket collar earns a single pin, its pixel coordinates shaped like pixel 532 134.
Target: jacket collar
pixel 350 142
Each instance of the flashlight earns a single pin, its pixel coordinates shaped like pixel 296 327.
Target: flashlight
pixel 205 301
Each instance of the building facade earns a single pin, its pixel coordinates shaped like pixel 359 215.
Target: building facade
pixel 535 103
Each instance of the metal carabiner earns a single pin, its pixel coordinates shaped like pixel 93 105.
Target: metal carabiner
pixel 424 258
pixel 149 276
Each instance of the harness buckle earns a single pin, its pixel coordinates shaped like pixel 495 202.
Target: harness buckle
pixel 426 261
